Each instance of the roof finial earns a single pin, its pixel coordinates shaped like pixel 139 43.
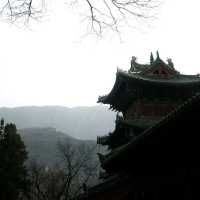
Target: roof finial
pixel 151 58
pixel 157 53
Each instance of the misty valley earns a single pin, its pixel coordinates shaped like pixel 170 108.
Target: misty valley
pixel 60 142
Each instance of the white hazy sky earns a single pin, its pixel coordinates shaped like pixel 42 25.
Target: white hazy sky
pixel 52 65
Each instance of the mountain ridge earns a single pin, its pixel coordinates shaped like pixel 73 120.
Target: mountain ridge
pixel 81 122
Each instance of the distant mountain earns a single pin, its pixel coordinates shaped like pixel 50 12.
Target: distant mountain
pixel 79 122
pixel 42 144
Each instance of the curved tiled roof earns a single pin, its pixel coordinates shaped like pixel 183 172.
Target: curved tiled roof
pixel 179 80
pixel 139 67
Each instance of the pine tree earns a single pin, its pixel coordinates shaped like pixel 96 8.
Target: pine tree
pixel 13 173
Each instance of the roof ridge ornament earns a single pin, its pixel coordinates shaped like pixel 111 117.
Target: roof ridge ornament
pixel 158 56
pixel 133 62
pixel 170 63
pixel 133 59
pixel 151 58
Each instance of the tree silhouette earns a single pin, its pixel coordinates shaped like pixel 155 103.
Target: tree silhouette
pixel 13 174
pixel 68 179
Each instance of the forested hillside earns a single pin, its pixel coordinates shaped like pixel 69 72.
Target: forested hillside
pixel 42 144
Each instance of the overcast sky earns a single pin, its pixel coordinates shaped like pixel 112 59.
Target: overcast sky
pixel 51 64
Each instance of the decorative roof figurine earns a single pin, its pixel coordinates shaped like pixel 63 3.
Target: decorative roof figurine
pixel 170 63
pixel 133 62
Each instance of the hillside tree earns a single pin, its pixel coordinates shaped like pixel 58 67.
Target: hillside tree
pixel 13 174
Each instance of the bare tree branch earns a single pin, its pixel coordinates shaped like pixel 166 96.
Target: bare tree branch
pixel 66 180
pixel 113 14
pixel 80 167
pixel 100 15
pixel 21 10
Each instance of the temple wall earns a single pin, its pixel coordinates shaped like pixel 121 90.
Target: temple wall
pixel 154 110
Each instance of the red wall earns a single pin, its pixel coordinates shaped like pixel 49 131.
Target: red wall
pixel 142 109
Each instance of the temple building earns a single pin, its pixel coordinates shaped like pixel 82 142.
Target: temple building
pixel 155 147
pixel 144 95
